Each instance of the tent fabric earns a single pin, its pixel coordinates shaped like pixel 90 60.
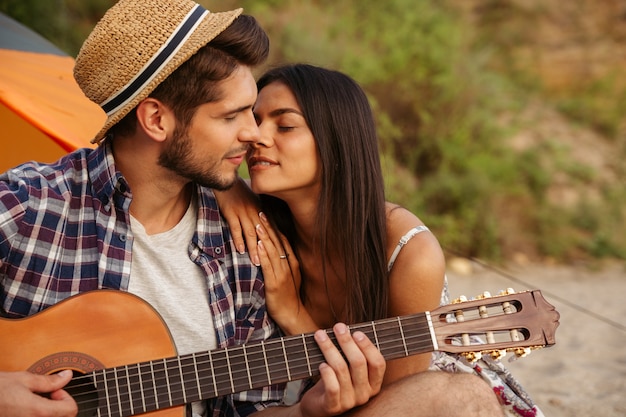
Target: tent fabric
pixel 14 35
pixel 43 112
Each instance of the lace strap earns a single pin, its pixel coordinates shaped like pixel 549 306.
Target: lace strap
pixel 403 241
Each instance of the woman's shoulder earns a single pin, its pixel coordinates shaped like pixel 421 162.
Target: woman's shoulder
pixel 400 221
pixel 406 230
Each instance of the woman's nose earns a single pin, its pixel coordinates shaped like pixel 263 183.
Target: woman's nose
pixel 265 138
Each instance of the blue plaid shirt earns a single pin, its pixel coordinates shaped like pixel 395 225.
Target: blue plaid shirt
pixel 65 229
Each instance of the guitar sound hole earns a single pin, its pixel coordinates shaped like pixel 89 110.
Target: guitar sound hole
pixel 84 393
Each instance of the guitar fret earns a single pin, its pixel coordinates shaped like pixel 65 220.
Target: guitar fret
pixel 387 333
pixel 141 389
pixel 106 391
pixel 213 374
pixel 182 381
pixel 229 370
pixel 195 370
pixel 278 370
pixel 306 353
pixel 167 378
pixel 267 366
pixel 148 390
pixel 240 368
pixel 221 369
pixel 130 393
pixel 206 378
pixel 256 362
pixel 375 335
pixel 161 389
pixel 245 355
pixel 121 389
pixel 298 365
pixel 406 350
pixel 282 342
pixel 103 393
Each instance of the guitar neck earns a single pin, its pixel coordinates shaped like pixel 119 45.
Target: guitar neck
pixel 152 385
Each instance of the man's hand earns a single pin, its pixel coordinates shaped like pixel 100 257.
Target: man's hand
pixel 20 395
pixel 345 383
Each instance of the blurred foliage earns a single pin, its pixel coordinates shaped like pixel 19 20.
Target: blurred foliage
pixel 66 23
pixel 439 85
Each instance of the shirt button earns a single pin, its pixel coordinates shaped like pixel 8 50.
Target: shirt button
pixel 123 238
pixel 218 250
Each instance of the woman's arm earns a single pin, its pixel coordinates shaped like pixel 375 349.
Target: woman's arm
pixel 281 272
pixel 415 282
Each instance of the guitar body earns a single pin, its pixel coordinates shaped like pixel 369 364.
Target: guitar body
pixel 95 330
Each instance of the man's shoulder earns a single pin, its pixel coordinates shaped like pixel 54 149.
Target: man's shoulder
pixel 38 180
pixel 66 166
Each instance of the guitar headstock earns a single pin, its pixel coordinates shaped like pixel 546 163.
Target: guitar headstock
pixel 509 322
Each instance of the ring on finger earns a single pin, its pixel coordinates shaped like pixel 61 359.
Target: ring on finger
pixel 285 256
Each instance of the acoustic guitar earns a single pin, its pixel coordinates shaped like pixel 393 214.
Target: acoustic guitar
pixel 125 362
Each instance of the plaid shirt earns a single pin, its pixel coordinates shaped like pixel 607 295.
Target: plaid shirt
pixel 65 229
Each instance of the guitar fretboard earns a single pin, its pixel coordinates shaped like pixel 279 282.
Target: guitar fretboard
pixel 153 385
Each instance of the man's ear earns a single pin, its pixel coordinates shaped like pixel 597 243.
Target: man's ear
pixel 155 119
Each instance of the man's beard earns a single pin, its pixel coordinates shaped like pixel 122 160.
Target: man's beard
pixel 178 158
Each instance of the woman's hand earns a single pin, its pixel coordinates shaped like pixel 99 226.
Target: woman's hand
pixel 240 207
pixel 281 272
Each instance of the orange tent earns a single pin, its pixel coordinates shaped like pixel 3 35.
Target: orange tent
pixel 43 112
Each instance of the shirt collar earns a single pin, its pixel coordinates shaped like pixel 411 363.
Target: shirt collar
pixel 103 174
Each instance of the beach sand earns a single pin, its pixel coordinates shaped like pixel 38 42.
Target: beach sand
pixel 584 373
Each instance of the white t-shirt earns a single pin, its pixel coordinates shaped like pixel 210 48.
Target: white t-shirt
pixel 164 276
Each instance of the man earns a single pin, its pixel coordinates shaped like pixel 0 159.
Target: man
pixel 137 214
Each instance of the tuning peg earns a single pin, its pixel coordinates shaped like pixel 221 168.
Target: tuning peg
pixel 508 291
pixel 461 299
pixel 484 295
pixel 472 356
pixel 497 354
pixel 522 352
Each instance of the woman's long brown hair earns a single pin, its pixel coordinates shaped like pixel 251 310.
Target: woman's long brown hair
pixel 351 209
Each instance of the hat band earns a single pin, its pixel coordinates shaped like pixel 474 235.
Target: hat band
pixel 157 62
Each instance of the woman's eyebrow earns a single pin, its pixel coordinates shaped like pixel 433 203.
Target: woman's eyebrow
pixel 285 110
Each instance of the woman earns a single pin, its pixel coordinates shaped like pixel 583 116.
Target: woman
pixel 343 254
pixel 317 170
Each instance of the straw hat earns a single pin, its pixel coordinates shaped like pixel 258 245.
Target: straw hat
pixel 136 45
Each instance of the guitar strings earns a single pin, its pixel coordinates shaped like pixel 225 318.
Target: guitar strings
pixel 127 403
pixel 273 349
pixel 300 367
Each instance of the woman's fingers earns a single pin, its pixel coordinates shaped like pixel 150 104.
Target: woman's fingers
pixel 240 208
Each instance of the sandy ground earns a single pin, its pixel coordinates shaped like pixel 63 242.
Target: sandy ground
pixel 584 373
